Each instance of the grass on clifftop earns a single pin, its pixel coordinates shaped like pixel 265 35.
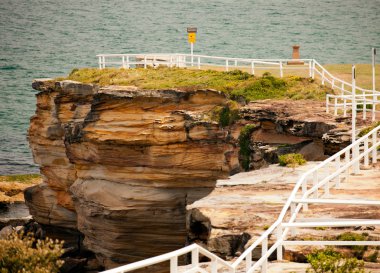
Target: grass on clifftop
pixel 235 83
pixel 21 178
pixel 13 186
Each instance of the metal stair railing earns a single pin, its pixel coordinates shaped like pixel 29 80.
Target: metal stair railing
pixel 325 175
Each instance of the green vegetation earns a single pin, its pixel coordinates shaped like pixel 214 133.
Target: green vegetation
pixel 236 84
pixel 373 257
pixel 22 178
pixel 226 115
pixel 25 254
pixel 320 228
pixel 350 236
pixel 244 142
pixel 369 129
pixel 291 160
pixel 330 261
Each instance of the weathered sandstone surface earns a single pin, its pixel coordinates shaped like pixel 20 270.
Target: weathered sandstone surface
pixel 240 208
pixel 121 164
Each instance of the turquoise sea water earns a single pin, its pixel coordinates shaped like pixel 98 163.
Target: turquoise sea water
pixel 47 38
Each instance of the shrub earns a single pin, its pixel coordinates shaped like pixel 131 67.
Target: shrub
pixel 244 142
pixel 25 254
pixel 373 257
pixel 291 160
pixel 350 236
pixel 330 261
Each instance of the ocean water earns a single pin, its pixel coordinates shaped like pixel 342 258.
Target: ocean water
pixel 47 38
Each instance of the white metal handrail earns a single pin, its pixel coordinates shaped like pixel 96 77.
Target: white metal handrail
pixel 325 175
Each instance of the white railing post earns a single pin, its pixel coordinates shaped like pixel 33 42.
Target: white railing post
pixel 305 206
pixel 323 77
pixel 104 61
pixel 355 155
pixel 313 70
pixel 145 61
pixel 355 149
pixel 174 265
pixel 373 81
pixel 292 211
pixel 374 151
pixel 227 65
pixel 128 65
pixel 235 63
pixel 279 238
pixel 100 62
pixel 248 261
pixel 327 189
pixel 264 250
pixel 253 68
pixel 336 106
pixel 214 265
pixel 195 257
pixel 281 70
pixel 347 161
pixel 315 183
pixel 366 156
pixel 310 68
pixel 374 99
pixel 364 106
pixel 344 107
pixel 199 62
pixel 337 181
pixel 123 61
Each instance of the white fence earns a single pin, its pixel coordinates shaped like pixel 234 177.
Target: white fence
pixel 199 61
pixel 364 97
pixel 313 187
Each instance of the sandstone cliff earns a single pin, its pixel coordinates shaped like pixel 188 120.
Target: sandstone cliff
pixel 121 164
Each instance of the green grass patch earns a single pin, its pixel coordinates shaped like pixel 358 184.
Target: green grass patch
pixel 330 261
pixel 291 160
pixel 236 84
pixel 22 178
pixel 350 236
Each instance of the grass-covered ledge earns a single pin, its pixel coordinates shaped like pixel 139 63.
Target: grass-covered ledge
pixel 235 83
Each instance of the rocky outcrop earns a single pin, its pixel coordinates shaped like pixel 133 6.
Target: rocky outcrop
pixel 121 164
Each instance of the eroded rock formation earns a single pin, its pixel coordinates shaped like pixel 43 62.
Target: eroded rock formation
pixel 121 164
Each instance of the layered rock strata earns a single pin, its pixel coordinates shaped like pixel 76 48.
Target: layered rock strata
pixel 121 164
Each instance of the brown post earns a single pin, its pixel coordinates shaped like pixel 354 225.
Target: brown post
pixel 296 52
pixel 295 56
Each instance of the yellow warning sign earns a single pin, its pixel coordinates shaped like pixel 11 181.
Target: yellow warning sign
pixel 191 37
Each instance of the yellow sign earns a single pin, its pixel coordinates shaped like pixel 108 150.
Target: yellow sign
pixel 191 37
